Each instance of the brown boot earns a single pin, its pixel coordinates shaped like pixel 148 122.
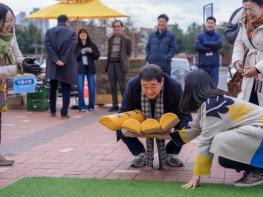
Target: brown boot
pixel 6 162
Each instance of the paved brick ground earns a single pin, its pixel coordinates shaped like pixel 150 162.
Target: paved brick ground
pixel 81 147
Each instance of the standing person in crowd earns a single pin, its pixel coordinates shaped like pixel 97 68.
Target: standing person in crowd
pixel 10 56
pixel 60 42
pixel 119 51
pixel 86 52
pixel 154 93
pixel 228 127
pixel 249 42
pixel 207 45
pixel 161 46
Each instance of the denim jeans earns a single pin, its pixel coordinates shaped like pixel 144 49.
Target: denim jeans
pixel 91 86
pixel 213 71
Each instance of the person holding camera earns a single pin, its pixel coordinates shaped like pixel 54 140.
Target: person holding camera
pixel 11 62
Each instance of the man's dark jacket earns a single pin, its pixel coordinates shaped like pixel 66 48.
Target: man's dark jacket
pixel 171 96
pixel 60 42
pixel 160 49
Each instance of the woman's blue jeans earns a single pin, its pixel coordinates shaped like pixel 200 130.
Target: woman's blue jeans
pixel 91 86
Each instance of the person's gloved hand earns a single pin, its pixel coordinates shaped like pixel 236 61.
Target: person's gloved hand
pixel 89 50
pixel 30 66
pixel 86 50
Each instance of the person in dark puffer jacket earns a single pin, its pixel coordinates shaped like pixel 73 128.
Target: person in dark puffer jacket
pixel 161 46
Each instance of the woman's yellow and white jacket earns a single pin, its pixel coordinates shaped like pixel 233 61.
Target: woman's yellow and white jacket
pixel 228 127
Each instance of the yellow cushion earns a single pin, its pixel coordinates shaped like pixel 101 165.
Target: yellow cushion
pixel 168 121
pixel 114 122
pixel 132 125
pixel 150 126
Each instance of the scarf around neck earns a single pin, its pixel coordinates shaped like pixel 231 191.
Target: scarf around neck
pixel 159 111
pixel 146 107
pixel 251 26
pixel 6 53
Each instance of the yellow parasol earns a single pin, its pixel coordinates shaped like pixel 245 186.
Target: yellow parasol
pixel 77 9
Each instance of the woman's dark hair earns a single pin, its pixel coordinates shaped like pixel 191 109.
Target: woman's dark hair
pixel 151 72
pixel 198 88
pixel 88 37
pixel 258 2
pixel 3 12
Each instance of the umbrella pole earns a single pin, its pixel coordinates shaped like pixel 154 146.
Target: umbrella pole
pixel 78 24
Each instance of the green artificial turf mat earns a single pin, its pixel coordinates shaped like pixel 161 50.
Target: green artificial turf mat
pixel 73 187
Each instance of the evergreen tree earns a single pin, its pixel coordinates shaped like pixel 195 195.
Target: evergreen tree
pixel 30 39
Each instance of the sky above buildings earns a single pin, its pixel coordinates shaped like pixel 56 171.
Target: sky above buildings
pixel 144 12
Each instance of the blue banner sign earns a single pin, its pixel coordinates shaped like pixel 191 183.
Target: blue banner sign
pixel 24 84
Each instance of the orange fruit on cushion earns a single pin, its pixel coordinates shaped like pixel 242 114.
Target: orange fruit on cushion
pixel 168 121
pixel 114 121
pixel 150 126
pixel 132 125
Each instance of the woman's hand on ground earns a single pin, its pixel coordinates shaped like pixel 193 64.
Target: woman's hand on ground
pixel 193 183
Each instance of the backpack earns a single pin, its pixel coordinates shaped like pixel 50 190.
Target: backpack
pixel 232 27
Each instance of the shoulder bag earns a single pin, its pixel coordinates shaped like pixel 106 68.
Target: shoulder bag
pixel 234 85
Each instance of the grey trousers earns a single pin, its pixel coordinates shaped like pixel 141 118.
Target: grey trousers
pixel 116 75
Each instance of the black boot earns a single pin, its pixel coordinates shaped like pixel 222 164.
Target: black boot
pixel 114 109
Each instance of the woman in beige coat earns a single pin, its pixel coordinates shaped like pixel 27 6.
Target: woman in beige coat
pixel 250 38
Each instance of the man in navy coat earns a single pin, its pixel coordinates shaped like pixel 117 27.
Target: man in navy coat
pixel 207 45
pixel 161 46
pixel 60 42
